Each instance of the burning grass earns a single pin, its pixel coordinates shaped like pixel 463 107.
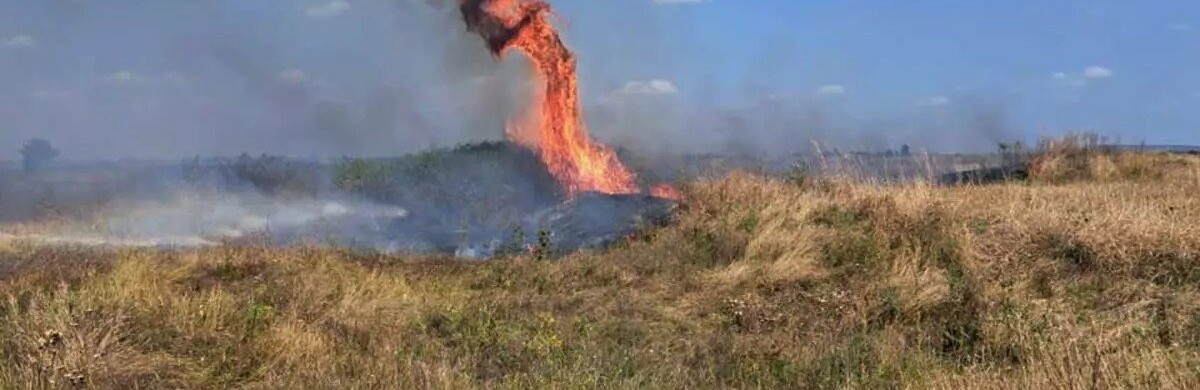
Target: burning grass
pixel 1087 282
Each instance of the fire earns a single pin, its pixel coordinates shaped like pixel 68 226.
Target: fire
pixel 553 125
pixel 666 191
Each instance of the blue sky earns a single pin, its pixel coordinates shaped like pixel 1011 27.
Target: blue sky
pixel 1127 68
pixel 156 79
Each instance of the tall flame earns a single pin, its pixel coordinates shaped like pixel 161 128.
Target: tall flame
pixel 553 125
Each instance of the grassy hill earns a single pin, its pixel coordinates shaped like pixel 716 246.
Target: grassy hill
pixel 1085 276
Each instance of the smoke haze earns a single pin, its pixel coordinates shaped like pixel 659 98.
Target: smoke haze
pixel 322 79
pixel 148 79
pixel 151 79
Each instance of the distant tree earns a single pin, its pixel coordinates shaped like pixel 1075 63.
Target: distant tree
pixel 905 151
pixel 37 154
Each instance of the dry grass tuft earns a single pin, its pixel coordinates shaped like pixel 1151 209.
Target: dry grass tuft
pixel 1086 156
pixel 1085 278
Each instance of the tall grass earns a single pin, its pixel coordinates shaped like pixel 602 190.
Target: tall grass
pixel 1071 281
pixel 1087 156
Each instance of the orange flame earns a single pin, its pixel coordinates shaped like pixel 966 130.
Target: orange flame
pixel 666 191
pixel 553 125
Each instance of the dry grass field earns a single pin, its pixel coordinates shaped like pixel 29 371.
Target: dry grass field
pixel 1086 276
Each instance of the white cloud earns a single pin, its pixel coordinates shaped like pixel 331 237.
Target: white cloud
pixel 831 90
pixel 125 76
pixel 936 101
pixel 1181 27
pixel 1097 72
pixel 329 10
pixel 293 76
pixel 1083 78
pixel 1068 79
pixel 651 87
pixel 19 41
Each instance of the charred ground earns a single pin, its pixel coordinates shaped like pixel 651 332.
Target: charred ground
pixel 473 200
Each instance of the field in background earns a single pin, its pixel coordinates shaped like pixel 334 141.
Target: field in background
pixel 1087 275
pixel 493 175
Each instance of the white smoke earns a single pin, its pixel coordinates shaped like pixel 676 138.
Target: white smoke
pixel 193 219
